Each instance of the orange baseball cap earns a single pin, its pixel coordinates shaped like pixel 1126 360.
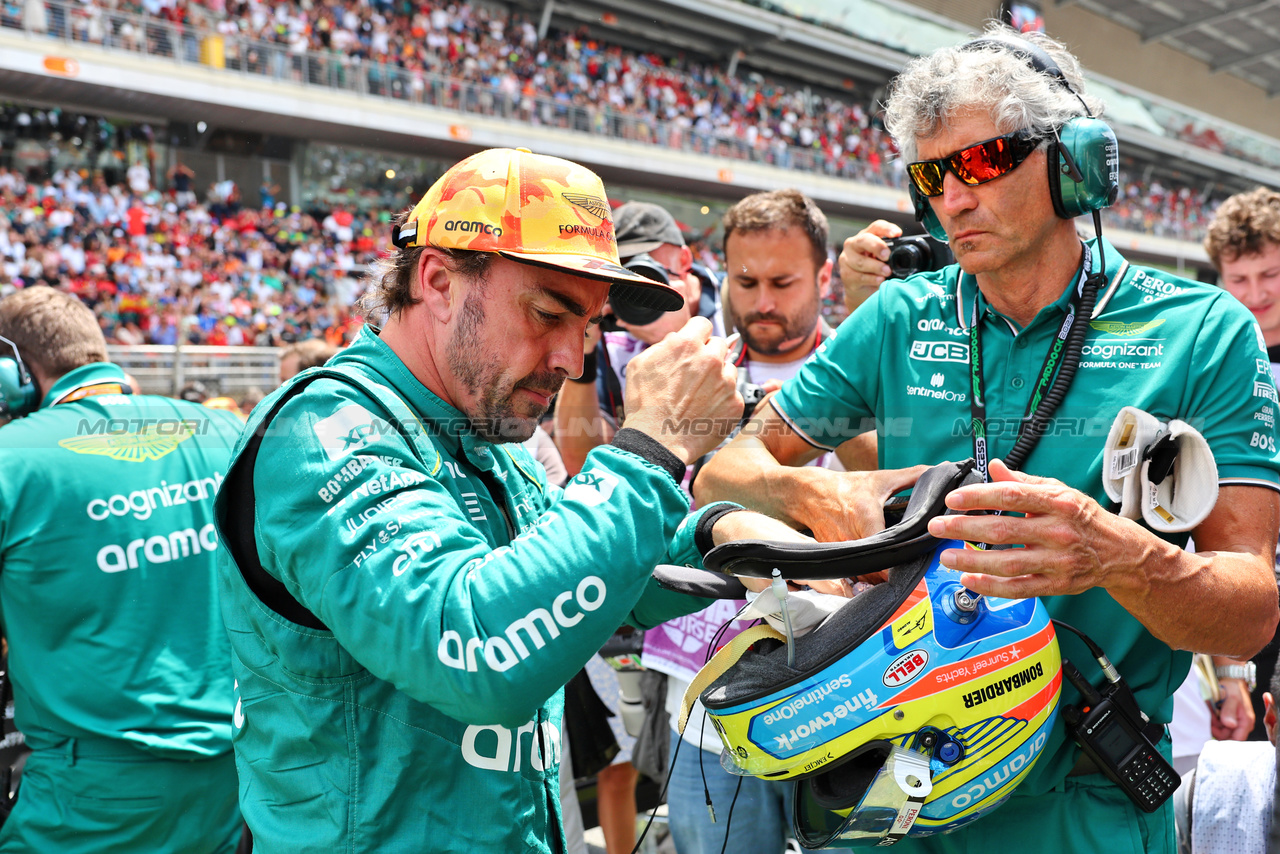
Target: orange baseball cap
pixel 533 209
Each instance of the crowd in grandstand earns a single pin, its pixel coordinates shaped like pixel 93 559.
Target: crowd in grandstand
pixel 155 266
pixel 153 269
pixel 476 59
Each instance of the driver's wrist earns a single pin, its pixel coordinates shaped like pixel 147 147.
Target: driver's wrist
pixel 705 536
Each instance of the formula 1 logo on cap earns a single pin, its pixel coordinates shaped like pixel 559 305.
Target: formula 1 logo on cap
pixel 591 204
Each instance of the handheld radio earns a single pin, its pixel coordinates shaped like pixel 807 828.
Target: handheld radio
pixel 1115 734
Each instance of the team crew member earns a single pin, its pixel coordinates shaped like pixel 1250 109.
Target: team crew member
pixel 408 595
pixel 117 654
pixel 977 124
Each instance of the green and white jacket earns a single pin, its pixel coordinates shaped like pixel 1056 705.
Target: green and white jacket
pixel 421 708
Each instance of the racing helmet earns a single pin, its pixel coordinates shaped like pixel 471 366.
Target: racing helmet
pixel 912 710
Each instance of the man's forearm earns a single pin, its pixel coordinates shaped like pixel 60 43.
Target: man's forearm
pixel 579 424
pixel 746 473
pixel 1222 603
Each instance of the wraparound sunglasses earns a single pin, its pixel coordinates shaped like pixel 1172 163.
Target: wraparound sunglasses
pixel 979 163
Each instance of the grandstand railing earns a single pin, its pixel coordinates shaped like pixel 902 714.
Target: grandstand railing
pixel 166 369
pixel 151 36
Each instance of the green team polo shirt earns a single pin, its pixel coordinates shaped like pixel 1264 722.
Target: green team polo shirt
pixel 460 592
pixel 107 569
pixel 1172 347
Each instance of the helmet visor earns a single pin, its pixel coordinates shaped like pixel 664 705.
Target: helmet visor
pixel 841 804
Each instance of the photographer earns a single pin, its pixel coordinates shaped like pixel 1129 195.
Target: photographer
pixel 775 248
pixel 589 412
pixel 589 408
pixel 950 363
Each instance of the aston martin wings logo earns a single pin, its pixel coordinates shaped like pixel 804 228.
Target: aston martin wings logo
pixel 1125 330
pixel 591 204
pixel 139 447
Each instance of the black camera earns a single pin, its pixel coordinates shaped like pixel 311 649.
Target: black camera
pixel 751 393
pixel 917 253
pixel 630 313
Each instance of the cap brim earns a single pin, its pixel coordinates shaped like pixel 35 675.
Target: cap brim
pixel 634 288
pixel 637 247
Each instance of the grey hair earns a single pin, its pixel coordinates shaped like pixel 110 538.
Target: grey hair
pixel 934 88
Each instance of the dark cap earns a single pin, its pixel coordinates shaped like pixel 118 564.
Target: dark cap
pixel 643 227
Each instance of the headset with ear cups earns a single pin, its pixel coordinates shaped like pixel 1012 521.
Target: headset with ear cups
pixel 18 394
pixel 1083 157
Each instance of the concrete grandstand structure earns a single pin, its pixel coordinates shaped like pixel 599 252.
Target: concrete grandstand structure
pixel 271 102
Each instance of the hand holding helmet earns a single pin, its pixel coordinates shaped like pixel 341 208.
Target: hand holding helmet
pixel 903 714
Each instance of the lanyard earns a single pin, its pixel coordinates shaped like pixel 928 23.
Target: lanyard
pixel 1052 360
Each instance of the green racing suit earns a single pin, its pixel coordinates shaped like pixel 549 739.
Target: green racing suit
pixel 446 594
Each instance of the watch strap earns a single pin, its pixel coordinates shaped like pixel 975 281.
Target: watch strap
pixel 1245 672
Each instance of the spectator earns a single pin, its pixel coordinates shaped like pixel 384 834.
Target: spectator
pixel 777 272
pixel 182 182
pixel 298 357
pixel 139 177
pixel 1226 804
pixel 1243 244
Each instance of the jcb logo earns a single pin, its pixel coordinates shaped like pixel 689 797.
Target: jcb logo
pixel 940 351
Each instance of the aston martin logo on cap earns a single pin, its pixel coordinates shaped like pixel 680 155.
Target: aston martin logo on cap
pixel 591 204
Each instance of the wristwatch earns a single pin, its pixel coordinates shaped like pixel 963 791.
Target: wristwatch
pixel 1247 671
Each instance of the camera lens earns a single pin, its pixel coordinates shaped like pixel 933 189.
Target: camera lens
pixel 631 313
pixel 635 315
pixel 907 258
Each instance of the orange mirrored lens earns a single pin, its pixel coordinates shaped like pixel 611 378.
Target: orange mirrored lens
pixel 927 176
pixel 984 161
pixel 977 164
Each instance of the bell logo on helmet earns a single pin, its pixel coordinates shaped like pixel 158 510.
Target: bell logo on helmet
pixel 905 668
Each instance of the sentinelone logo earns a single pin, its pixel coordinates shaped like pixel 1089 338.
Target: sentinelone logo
pixel 937 393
